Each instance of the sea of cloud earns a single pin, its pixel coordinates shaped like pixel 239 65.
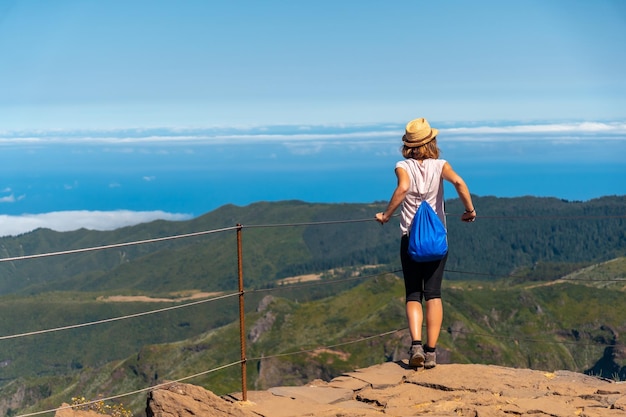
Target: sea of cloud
pixel 64 221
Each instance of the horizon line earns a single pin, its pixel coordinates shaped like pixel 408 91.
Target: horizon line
pixel 461 132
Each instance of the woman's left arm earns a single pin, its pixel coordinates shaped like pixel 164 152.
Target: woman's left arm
pixel 404 183
pixel 448 174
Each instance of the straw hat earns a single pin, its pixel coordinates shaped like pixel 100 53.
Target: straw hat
pixel 418 133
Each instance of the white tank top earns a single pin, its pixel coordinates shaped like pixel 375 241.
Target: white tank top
pixel 426 181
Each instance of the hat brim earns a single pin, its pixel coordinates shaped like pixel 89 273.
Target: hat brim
pixel 433 135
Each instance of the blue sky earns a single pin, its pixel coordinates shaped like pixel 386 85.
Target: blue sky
pixel 155 91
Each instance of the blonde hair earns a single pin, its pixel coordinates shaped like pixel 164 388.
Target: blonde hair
pixel 429 150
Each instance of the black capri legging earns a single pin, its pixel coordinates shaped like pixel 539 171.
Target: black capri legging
pixel 422 280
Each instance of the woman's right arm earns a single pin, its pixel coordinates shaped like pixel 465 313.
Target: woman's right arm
pixel 404 182
pixel 448 174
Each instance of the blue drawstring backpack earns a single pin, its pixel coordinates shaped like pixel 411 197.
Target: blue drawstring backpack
pixel 428 238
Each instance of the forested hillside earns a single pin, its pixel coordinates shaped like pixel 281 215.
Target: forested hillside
pixel 509 234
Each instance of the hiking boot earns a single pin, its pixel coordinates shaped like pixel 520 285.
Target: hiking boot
pixel 416 356
pixel 430 360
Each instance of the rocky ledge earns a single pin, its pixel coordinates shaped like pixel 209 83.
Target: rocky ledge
pixel 394 389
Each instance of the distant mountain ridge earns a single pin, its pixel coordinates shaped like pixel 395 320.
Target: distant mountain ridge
pixel 520 231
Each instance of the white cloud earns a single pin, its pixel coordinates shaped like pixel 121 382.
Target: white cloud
pixel 70 186
pixel 11 197
pixel 64 221
pixel 128 140
pixel 122 139
pixel 615 130
pixel 7 199
pixel 149 178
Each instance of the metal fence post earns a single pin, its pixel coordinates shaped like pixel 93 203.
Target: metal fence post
pixel 242 323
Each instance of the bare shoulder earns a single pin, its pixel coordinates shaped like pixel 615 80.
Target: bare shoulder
pixel 448 173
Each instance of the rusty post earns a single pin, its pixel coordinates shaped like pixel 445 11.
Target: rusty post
pixel 242 322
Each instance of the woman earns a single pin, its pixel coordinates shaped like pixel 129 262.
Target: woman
pixel 420 178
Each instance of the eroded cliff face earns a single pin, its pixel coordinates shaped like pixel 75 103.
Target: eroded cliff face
pixel 21 394
pixel 8 404
pixel 612 364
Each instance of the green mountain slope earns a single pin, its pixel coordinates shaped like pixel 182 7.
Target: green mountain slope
pixel 517 251
pixel 548 326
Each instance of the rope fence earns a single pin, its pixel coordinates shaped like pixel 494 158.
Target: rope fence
pixel 115 245
pixel 292 353
pixel 264 290
pixel 139 391
pixel 112 319
pixel 241 293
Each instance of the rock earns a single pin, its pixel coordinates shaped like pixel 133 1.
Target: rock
pixel 264 303
pixel 393 388
pixel 456 390
pixel 66 411
pixel 262 326
pixel 185 400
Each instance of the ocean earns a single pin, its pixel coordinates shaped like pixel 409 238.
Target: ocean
pixel 195 190
pixel 175 174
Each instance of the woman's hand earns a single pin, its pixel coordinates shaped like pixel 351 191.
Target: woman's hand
pixel 380 217
pixel 469 216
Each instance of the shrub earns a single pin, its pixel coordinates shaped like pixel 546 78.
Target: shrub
pixel 115 410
